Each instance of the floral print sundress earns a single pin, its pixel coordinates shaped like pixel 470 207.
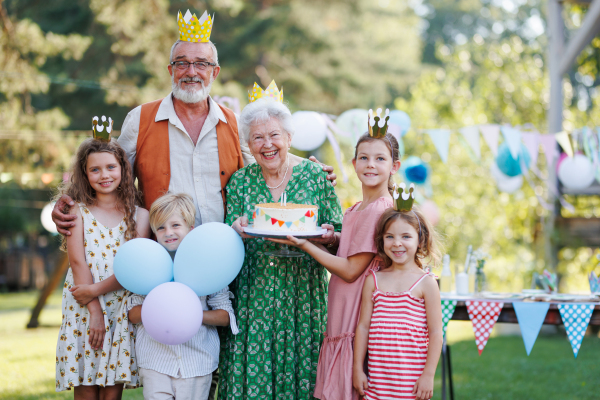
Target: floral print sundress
pixel 76 362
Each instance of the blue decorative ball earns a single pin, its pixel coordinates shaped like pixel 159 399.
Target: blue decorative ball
pixel 507 164
pixel 415 170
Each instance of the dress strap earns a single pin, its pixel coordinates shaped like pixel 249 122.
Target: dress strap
pixel 419 281
pixel 375 279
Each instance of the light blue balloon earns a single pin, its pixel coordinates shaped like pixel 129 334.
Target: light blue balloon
pixel 209 258
pixel 141 265
pixel 401 119
pixel 507 164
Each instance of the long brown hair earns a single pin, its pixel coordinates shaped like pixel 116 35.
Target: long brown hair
pixel 391 143
pixel 429 241
pixel 79 189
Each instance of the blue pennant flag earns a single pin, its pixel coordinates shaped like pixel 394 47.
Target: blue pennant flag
pixel 288 224
pixel 576 318
pixel 531 317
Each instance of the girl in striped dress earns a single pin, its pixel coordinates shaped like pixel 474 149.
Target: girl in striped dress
pixel 400 321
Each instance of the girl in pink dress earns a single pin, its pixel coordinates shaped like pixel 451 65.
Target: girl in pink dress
pixel 375 161
pixel 401 315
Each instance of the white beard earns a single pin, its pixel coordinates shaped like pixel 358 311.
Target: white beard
pixel 190 96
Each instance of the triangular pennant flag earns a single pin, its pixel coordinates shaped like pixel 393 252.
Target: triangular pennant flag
pixel 254 215
pixel 491 133
pixel 530 139
pixel 548 143
pixel 576 318
pixel 513 140
pixel 531 318
pixel 280 223
pixel 471 135
pixel 273 221
pixel 483 315
pixel 565 142
pixel 267 217
pixel 288 224
pixel 448 307
pixel 302 219
pixel 441 141
pixel 297 223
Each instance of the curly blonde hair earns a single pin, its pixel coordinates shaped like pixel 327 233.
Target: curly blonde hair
pixel 78 187
pixel 430 246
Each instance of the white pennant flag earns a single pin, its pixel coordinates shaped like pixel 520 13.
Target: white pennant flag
pixel 441 141
pixel 532 143
pixel 513 140
pixel 549 145
pixel 491 133
pixel 471 135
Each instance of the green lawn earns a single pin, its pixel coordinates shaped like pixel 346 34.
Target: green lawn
pixel 503 371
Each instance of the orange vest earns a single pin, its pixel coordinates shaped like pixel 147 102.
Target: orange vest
pixel 152 161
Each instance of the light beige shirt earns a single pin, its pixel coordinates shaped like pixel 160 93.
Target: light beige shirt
pixel 194 168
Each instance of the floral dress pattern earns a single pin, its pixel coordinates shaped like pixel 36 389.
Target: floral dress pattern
pixel 280 303
pixel 76 362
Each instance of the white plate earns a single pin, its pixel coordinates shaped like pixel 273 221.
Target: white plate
pixel 283 234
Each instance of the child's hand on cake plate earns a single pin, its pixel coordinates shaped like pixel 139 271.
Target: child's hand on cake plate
pixel 291 241
pixel 328 237
pixel 239 225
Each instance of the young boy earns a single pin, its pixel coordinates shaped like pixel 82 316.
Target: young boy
pixel 183 371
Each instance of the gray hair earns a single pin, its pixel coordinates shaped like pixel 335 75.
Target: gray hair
pixel 212 46
pixel 261 111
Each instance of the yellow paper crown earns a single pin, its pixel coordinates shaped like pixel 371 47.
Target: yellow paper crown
pixel 271 91
pixel 403 199
pixel 102 128
pixel 378 123
pixel 193 30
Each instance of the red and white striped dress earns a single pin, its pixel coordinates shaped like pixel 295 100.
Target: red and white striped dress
pixel 398 341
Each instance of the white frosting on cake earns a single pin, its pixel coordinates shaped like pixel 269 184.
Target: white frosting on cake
pixel 291 217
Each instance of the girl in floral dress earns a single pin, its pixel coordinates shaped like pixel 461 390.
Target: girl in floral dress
pixel 375 161
pixel 95 352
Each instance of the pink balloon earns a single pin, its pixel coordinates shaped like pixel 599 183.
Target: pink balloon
pixel 431 211
pixel 172 313
pixel 560 160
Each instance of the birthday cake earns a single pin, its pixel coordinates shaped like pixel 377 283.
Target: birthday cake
pixel 289 217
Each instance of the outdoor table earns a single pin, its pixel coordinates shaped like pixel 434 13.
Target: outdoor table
pixel 507 315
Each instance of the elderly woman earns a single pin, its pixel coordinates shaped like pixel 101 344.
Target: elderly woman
pixel 281 303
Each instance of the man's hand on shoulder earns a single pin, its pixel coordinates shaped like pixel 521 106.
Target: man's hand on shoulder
pixel 60 216
pixel 331 176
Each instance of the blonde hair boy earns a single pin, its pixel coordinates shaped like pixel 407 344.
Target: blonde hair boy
pixel 165 206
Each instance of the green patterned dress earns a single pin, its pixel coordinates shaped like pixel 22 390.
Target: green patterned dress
pixel 280 303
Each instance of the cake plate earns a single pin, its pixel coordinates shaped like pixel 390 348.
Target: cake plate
pixel 284 251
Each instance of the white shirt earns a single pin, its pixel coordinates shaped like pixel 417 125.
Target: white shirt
pixel 194 168
pixel 199 356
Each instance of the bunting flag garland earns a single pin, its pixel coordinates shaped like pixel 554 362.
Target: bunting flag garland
pixel 491 134
pixel 448 307
pixel 441 141
pixel 565 142
pixel 531 141
pixel 471 135
pixel 531 318
pixel 483 315
pixel 576 318
pixel 513 140
pixel 548 143
pixel 309 214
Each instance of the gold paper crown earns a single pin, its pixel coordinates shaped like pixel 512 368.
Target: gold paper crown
pixel 377 125
pixel 404 199
pixel 193 30
pixel 271 91
pixel 102 128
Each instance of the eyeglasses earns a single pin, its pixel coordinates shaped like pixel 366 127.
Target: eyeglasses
pixel 198 65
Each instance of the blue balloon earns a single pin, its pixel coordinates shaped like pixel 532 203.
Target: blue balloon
pixel 141 265
pixel 209 258
pixel 401 119
pixel 507 164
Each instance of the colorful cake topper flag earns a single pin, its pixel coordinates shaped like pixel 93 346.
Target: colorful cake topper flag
pixel 576 318
pixel 531 318
pixel 448 307
pixel 483 315
pixel 271 91
pixel 192 29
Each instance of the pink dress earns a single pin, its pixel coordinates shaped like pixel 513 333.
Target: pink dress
pixel 334 372
pixel 398 342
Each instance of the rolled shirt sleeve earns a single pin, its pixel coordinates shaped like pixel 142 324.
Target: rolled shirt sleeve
pixel 222 301
pixel 134 300
pixel 129 134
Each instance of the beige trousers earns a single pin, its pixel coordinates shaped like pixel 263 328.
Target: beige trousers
pixel 159 386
